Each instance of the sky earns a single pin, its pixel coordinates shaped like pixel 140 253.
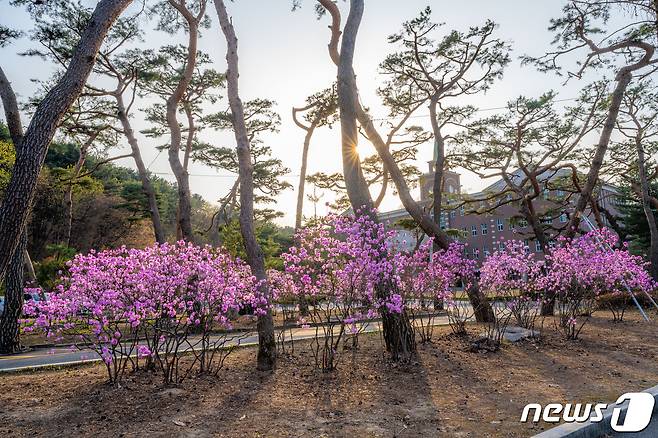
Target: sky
pixel 283 57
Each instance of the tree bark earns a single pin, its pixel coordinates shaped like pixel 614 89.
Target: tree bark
pixel 651 219
pixel 10 341
pixel 302 176
pixel 12 114
pixel 355 183
pixel 397 329
pixel 482 310
pixel 604 140
pixel 21 262
pixel 15 126
pixel 266 342
pixel 16 206
pixel 439 164
pixel 180 172
pixel 147 186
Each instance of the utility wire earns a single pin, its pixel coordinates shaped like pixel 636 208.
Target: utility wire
pixel 235 175
pixel 153 161
pixel 378 119
pixel 382 119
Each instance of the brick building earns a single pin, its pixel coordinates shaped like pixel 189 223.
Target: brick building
pixel 483 233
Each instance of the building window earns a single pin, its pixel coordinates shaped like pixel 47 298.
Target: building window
pixel 500 224
pixel 461 210
pixel 537 246
pixel 563 218
pixel 474 231
pixel 523 223
pixel 486 251
pixel 546 220
pixel 526 245
pixel 501 246
pixel 485 229
pixel 452 214
pixel 476 253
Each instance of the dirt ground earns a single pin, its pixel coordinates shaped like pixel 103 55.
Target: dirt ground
pixel 448 391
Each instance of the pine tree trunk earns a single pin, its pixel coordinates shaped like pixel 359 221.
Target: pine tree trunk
pixel 481 308
pixel 266 342
pixel 302 177
pixel 651 218
pixel 623 79
pixel 439 164
pixel 9 325
pixel 16 205
pixel 398 331
pixel 147 186
pixel 15 126
pixel 601 148
pixel 178 169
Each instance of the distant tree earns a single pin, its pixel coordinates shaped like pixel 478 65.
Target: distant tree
pixel 110 207
pixel 320 110
pixel 627 48
pixel 631 161
pixel 203 89
pixel 175 15
pixel 260 118
pixel 526 147
pixel 439 72
pixel 89 125
pixel 120 70
pixel 636 225
pixel 272 238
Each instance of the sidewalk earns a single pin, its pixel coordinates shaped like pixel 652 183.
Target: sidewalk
pixel 39 358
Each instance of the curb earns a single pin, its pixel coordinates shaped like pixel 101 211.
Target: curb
pixel 601 428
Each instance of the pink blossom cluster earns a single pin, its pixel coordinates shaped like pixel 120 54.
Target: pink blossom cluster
pixel 425 273
pixel 344 259
pixel 342 263
pixel 511 271
pixel 115 296
pixel 590 263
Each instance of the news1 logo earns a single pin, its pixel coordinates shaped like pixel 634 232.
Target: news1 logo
pixel 637 418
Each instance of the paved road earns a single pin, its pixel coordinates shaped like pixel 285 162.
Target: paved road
pixel 60 356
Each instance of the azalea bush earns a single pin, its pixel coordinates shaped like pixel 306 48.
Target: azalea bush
pixel 514 274
pixel 583 269
pixel 427 277
pixel 154 304
pixel 339 259
pixel 282 289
